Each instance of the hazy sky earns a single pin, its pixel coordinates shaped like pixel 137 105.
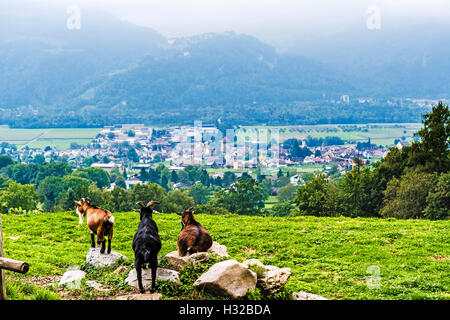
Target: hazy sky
pixel 273 21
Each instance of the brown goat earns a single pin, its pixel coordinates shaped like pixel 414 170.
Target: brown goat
pixel 99 221
pixel 193 236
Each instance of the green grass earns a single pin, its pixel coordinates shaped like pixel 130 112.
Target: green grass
pixel 25 290
pixel 327 256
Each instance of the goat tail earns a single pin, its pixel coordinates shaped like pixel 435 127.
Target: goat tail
pixel 146 255
pixel 110 219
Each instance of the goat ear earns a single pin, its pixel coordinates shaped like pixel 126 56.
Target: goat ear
pixel 141 204
pixel 152 203
pixel 77 202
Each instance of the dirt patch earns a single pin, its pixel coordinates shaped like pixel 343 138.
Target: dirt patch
pixel 438 257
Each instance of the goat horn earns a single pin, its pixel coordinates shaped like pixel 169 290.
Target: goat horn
pixel 141 204
pixel 190 209
pixel 152 203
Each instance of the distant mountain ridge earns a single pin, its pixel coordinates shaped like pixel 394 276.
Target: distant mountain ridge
pixel 112 71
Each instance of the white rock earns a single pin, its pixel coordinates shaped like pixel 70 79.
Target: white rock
pixel 306 296
pixel 101 260
pixel 228 278
pixel 218 249
pixel 161 274
pixel 272 279
pixel 72 279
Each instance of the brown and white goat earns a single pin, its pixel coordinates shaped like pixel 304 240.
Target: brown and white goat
pixel 193 236
pixel 99 221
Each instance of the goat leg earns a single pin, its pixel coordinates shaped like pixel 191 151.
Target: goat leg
pixel 109 245
pixel 102 250
pixel 137 265
pixel 154 266
pixel 92 240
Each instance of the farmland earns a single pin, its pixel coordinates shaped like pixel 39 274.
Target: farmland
pixel 379 133
pixel 40 138
pixel 327 256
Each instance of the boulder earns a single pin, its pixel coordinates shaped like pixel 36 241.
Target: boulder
pixel 179 262
pixel 306 296
pixel 101 260
pixel 228 278
pixel 72 279
pixel 144 296
pixel 161 274
pixel 271 279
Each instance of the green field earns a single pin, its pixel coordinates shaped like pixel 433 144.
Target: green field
pixel 379 133
pixel 59 138
pixel 327 256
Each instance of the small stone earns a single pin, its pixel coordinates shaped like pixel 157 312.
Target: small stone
pixel 272 279
pixel 97 286
pixel 306 296
pixel 72 279
pixel 161 274
pixel 101 260
pixel 219 250
pixel 120 270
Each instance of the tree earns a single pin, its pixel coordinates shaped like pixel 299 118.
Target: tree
pixel 438 200
pixel 244 197
pixel 200 193
pixel 406 197
pixel 120 182
pixel 317 197
pixel 51 188
pixel 177 201
pixel 39 159
pixel 228 178
pixel 432 151
pixel 98 175
pixel 18 195
pixel 55 169
pixel 132 155
pixel 287 193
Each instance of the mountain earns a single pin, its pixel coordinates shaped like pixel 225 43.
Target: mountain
pixel 43 60
pixel 111 71
pixel 402 59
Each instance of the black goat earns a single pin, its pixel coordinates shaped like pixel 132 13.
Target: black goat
pixel 146 244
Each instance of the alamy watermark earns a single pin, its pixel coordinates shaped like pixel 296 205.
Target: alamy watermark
pixel 74 20
pixel 373 281
pixel 373 22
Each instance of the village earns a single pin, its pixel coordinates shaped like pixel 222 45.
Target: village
pixel 136 146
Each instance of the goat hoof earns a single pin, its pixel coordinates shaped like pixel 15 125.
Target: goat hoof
pixel 102 251
pixel 142 291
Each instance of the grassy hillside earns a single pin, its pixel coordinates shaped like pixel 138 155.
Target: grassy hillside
pixel 328 256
